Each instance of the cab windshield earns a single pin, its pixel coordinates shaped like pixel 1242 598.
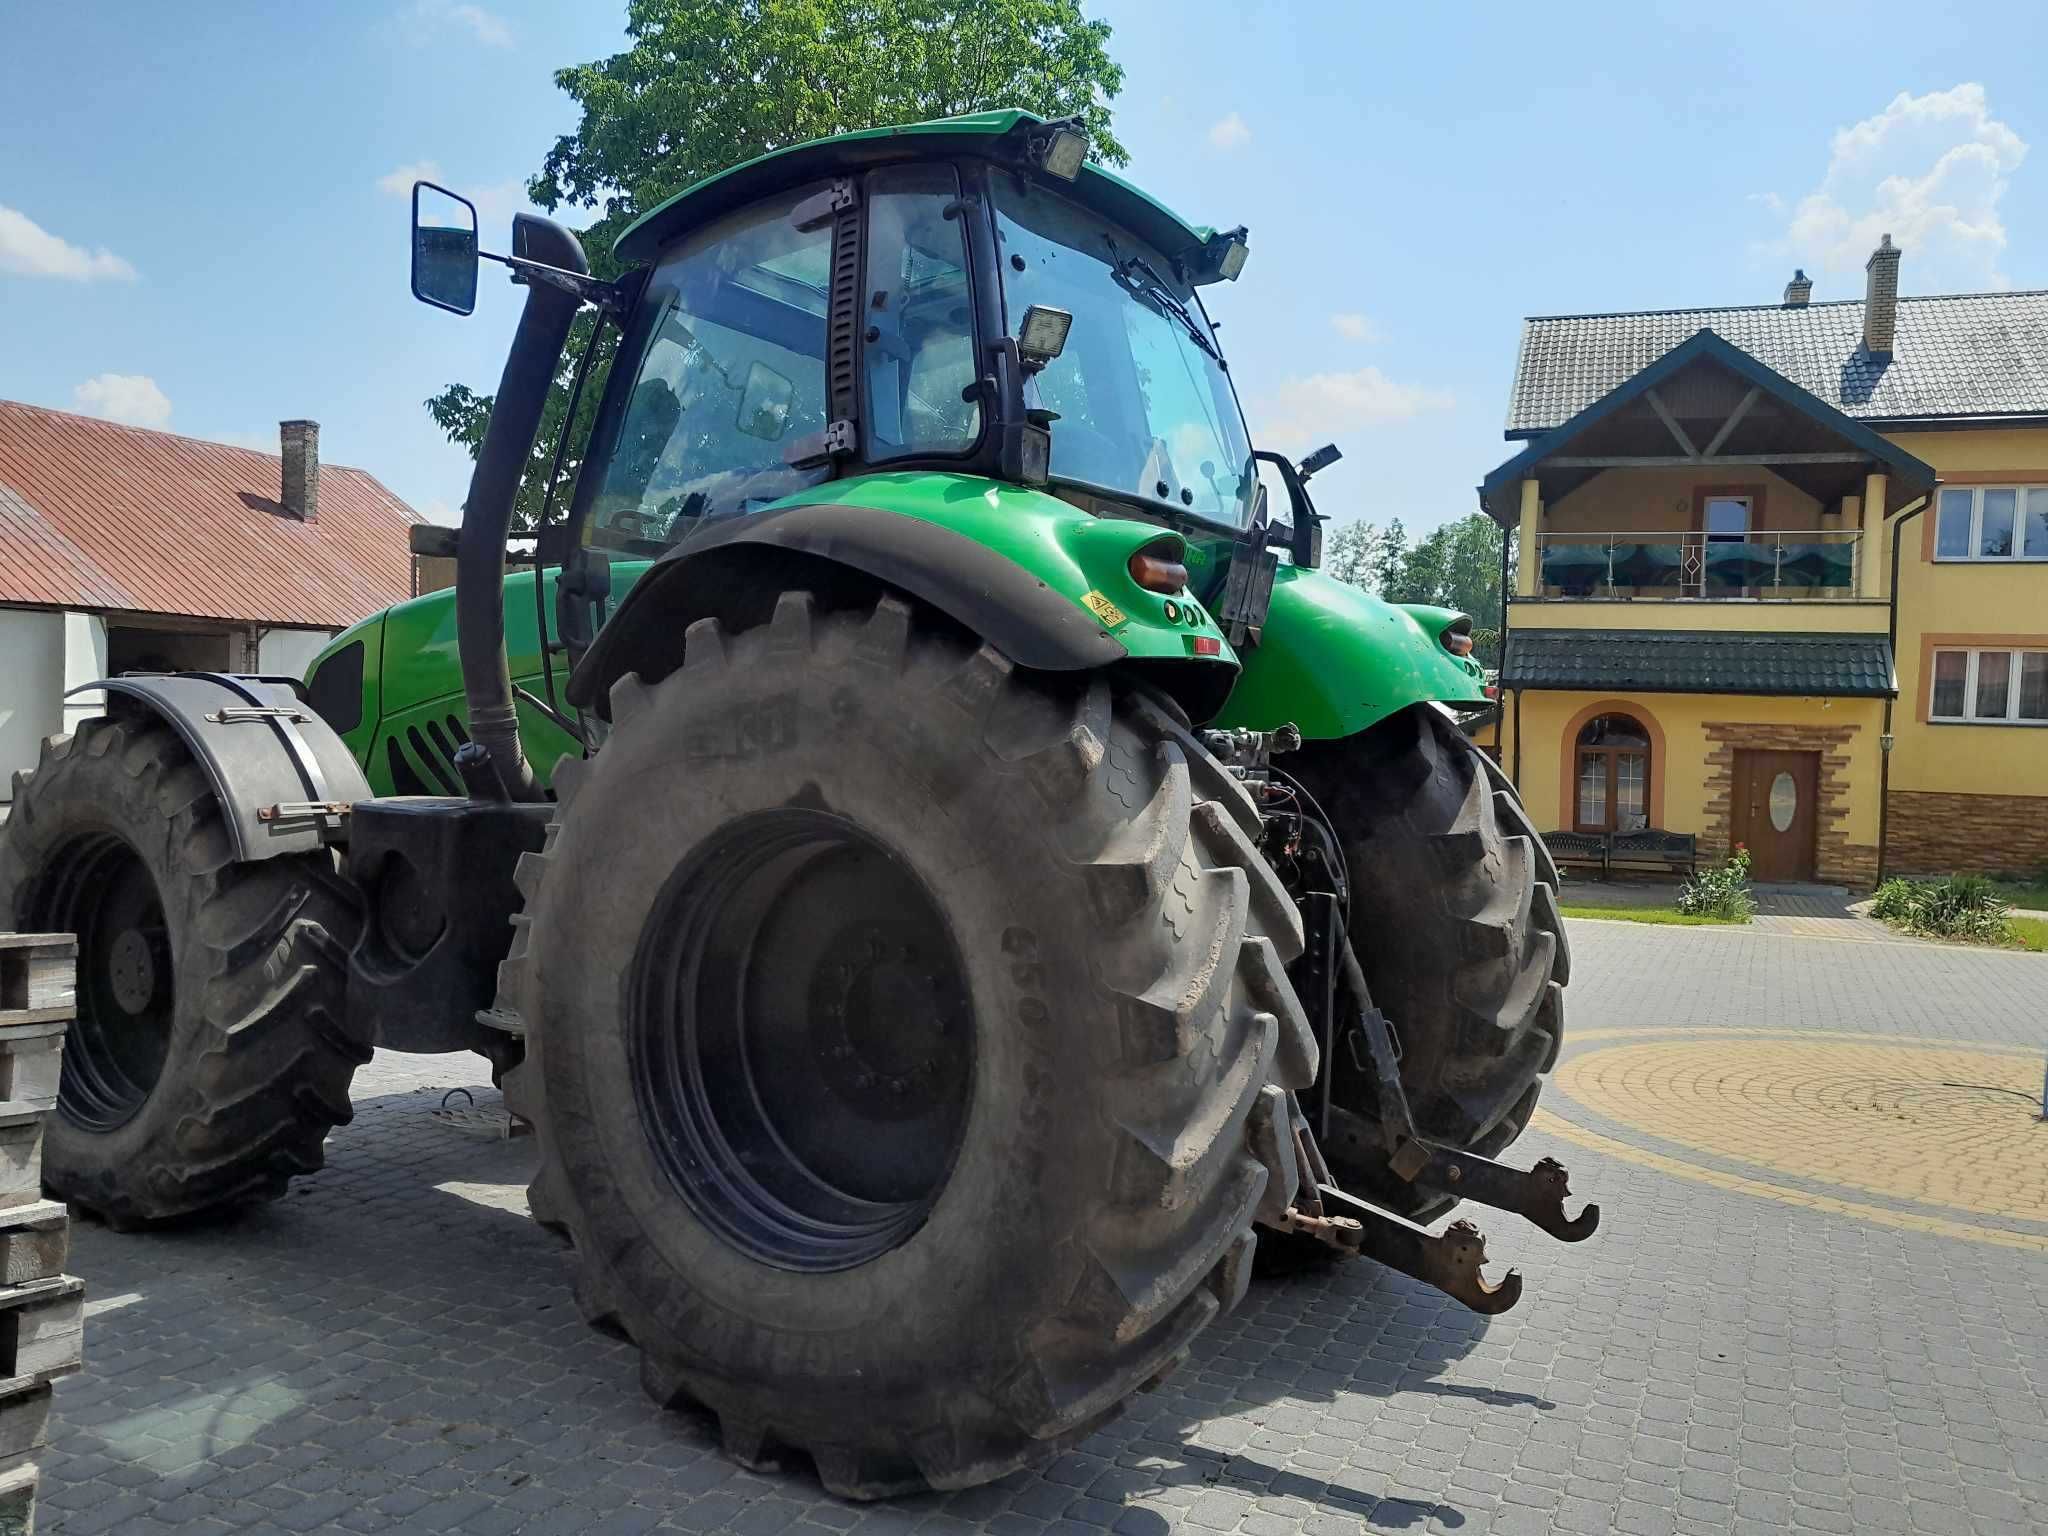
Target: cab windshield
pixel 1144 408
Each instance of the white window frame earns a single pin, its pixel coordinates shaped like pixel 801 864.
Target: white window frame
pixel 2012 716
pixel 2019 556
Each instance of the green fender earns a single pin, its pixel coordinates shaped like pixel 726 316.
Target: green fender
pixel 1333 659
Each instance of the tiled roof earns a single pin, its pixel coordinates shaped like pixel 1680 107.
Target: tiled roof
pixel 96 515
pixel 1973 354
pixel 1698 661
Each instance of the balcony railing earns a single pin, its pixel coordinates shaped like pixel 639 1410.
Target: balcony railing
pixel 1803 565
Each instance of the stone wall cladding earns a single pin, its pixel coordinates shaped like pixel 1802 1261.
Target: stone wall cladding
pixel 1936 834
pixel 1836 859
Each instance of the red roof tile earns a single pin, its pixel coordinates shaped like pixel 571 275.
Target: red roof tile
pixel 96 515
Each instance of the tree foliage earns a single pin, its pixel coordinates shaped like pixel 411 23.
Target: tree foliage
pixel 1455 566
pixel 706 84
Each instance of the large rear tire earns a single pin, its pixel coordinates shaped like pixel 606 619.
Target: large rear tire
pixel 1455 921
pixel 210 1054
pixel 893 1020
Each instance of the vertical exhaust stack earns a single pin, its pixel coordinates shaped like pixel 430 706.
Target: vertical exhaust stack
pixel 1799 291
pixel 299 492
pixel 1881 299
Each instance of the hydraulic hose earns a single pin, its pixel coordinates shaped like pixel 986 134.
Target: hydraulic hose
pixel 494 489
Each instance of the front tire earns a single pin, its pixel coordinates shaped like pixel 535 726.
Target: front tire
pixel 210 1055
pixel 1455 921
pixel 893 1019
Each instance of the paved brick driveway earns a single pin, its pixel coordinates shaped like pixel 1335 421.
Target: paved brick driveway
pixel 1755 1340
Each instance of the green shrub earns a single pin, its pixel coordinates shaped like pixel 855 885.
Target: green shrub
pixel 1721 892
pixel 1959 907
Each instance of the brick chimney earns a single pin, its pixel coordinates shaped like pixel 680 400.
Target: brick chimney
pixel 1881 299
pixel 1799 290
pixel 300 441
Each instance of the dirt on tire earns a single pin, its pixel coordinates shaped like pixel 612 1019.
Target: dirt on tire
pixel 1122 947
pixel 246 976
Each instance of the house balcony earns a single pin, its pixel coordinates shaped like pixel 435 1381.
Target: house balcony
pixel 1808 565
pixel 1781 580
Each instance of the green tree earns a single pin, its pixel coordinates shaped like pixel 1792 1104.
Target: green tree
pixel 705 84
pixel 1393 561
pixel 1353 553
pixel 1456 566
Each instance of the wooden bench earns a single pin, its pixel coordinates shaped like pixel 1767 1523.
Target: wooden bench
pixel 1581 849
pixel 1655 851
pixel 1649 850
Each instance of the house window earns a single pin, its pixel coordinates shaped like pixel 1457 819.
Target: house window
pixel 1725 519
pixel 1613 775
pixel 1992 522
pixel 1994 687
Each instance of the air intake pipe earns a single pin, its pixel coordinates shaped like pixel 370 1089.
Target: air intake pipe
pixel 493 490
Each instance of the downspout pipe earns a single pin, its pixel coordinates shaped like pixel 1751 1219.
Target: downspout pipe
pixel 1500 704
pixel 1884 757
pixel 493 490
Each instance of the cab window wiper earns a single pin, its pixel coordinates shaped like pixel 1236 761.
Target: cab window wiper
pixel 1153 289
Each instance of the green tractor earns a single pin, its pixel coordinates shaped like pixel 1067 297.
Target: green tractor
pixel 933 860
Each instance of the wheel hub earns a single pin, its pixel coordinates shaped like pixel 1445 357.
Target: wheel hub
pixel 132 971
pixel 98 887
pixel 803 1040
pixel 880 1032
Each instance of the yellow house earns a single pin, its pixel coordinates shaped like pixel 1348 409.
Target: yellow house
pixel 1782 579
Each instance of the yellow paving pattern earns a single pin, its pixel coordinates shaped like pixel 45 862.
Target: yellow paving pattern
pixel 1950 1126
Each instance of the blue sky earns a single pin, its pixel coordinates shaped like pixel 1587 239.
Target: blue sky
pixel 206 229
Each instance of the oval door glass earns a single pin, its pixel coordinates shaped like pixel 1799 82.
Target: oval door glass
pixel 1784 801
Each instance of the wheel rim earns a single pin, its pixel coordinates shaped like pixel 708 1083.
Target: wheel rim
pixel 98 888
pixel 802 1041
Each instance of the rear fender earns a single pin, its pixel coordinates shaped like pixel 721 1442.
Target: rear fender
pixel 1043 582
pixel 1333 660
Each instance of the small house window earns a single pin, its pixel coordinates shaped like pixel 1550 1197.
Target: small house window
pixel 1613 775
pixel 1992 522
pixel 1992 687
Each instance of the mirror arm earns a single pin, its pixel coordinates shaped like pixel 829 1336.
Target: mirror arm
pixel 614 298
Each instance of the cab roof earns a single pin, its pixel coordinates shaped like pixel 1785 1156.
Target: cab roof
pixel 976 133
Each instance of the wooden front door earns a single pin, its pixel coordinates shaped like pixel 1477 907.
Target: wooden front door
pixel 1774 813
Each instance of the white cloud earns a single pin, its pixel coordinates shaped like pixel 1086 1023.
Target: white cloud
pixel 438 511
pixel 1305 412
pixel 129 398
pixel 398 183
pixel 29 250
pixel 1930 171
pixel 1229 132
pixel 495 204
pixel 425 19
pixel 1770 200
pixel 1355 327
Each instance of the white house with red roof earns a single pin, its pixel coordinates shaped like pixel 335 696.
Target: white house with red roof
pixel 123 549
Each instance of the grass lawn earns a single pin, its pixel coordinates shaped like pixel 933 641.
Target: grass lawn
pixel 2032 894
pixel 2032 932
pixel 1667 915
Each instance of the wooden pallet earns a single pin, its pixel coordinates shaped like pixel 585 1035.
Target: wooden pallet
pixel 38 978
pixel 42 1310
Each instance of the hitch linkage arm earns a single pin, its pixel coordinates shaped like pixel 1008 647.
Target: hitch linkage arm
pixel 1536 1194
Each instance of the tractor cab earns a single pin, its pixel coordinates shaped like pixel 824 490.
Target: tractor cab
pixel 969 299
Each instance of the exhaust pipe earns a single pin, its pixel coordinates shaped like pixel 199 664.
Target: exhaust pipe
pixel 493 489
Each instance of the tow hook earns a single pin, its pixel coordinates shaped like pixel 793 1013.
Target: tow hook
pixel 1451 1260
pixel 1536 1194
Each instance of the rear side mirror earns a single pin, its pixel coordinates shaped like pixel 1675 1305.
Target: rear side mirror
pixel 443 248
pixel 765 403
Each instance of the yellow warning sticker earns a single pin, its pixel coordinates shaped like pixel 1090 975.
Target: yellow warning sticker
pixel 1104 609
